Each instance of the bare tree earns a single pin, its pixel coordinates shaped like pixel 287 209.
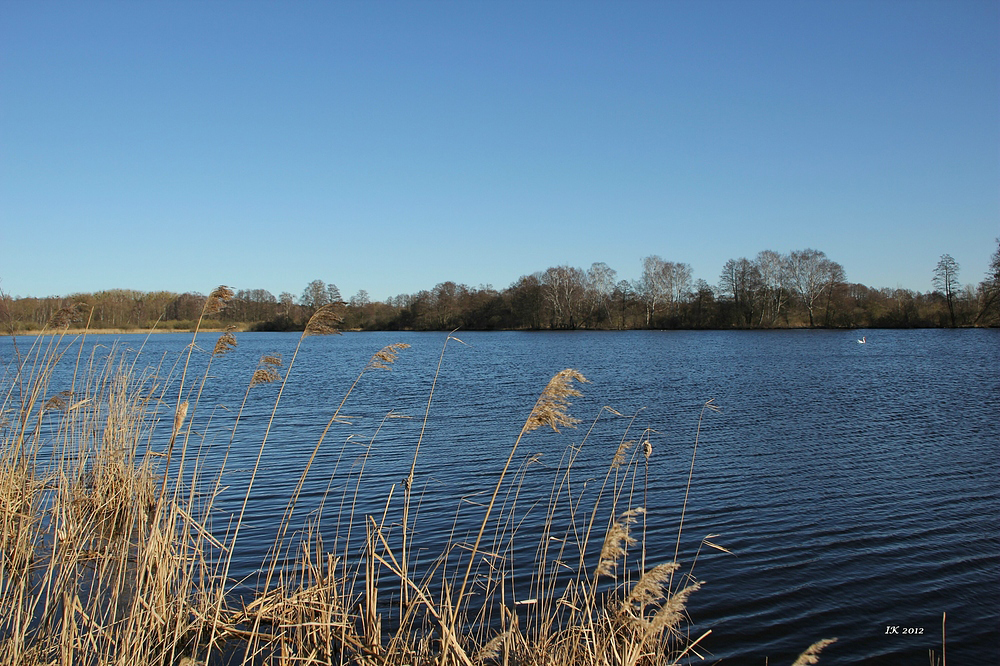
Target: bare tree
pixel 663 284
pixel 989 291
pixel 946 281
pixel 741 279
pixel 600 285
pixel 563 287
pixel 811 275
pixel 624 297
pixel 773 269
pixel 287 301
pixel 317 294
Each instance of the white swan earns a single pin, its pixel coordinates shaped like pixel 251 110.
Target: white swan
pixel 862 340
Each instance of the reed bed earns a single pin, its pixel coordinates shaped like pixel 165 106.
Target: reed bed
pixel 113 551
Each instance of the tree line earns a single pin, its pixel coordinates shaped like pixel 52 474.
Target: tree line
pixel 803 288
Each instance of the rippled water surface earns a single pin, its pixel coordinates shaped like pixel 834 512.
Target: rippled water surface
pixel 857 487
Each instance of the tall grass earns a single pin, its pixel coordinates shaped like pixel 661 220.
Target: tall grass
pixel 114 550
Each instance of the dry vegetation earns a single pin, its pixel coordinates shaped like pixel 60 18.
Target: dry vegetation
pixel 111 552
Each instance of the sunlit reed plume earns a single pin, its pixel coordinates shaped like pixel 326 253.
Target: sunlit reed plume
pixel 267 371
pixel 225 342
pixel 217 300
pixel 615 542
pixel 620 452
pixel 386 356
pixel 671 613
pixel 811 655
pixel 552 404
pixel 179 416
pixel 650 587
pixel 326 320
pixel 58 401
pixel 647 449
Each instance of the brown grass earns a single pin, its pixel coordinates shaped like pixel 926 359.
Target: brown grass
pixel 112 552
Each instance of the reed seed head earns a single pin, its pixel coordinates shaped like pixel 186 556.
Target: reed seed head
pixel 58 401
pixel 386 356
pixel 615 542
pixel 217 300
pixel 550 409
pixel 811 655
pixel 649 589
pixel 326 320
pixel 647 449
pixel 267 371
pixel 264 376
pixel 225 342
pixel 620 452
pixel 672 613
pixel 179 416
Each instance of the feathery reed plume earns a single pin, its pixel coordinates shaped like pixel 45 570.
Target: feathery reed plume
pixel 615 542
pixel 66 316
pixel 492 648
pixel 386 356
pixel 650 587
pixel 326 320
pixel 620 452
pixel 217 300
pixel 267 371
pixel 225 342
pixel 179 416
pixel 647 448
pixel 550 409
pixel 811 655
pixel 672 613
pixel 58 401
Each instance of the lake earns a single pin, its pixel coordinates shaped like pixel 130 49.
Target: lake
pixel 856 487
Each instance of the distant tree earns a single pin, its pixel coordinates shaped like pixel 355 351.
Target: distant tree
pixel 286 300
pixel 600 285
pixel 741 280
pixel 252 305
pixel 773 270
pixel 989 292
pixel 360 299
pixel 563 289
pixel 445 306
pixel 702 304
pixel 663 284
pixel 946 281
pixel 185 307
pixel 624 298
pixel 317 294
pixel 526 301
pixel 811 275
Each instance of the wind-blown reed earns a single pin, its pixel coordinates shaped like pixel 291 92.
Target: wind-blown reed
pixel 113 551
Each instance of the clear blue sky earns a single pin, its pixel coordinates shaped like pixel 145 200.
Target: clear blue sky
pixel 390 146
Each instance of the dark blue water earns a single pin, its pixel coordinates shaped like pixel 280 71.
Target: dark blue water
pixel 856 486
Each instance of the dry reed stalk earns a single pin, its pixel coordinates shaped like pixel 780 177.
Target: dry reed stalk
pixel 550 409
pixel 408 482
pixel 323 325
pixel 173 604
pixel 706 407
